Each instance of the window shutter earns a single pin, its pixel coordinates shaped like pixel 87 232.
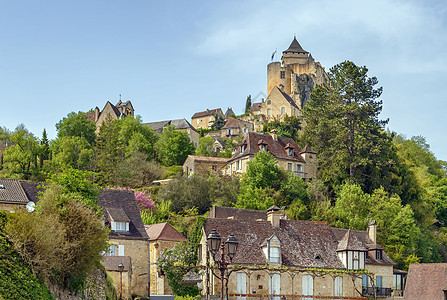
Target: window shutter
pixel 113 225
pixel 127 226
pixel 120 250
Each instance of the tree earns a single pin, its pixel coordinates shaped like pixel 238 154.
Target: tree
pixel 77 124
pixel 44 148
pixel 342 125
pixel 248 104
pixel 289 127
pixel 205 147
pixel 352 207
pixel 218 123
pixel 73 151
pixel 262 172
pixel 173 147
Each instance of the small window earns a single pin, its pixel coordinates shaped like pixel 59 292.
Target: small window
pixel 111 251
pixel 289 166
pixel 245 130
pixel 120 226
pixel 242 148
pixel 263 148
pixel 268 112
pixel 198 121
pixel 283 74
pixel 379 254
pixel 211 118
pixel 290 152
pixel 283 110
pixel 269 102
pixel 274 255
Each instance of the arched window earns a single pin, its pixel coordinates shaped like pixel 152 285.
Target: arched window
pixel 283 110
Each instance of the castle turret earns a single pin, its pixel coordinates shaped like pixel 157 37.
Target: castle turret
pixel 295 54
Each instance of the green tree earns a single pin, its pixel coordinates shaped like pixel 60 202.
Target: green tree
pixel 77 124
pixel 205 147
pixel 352 207
pixel 73 151
pixel 173 147
pixel 343 126
pixel 218 123
pixel 44 153
pixel 248 104
pixel 262 172
pixel 289 127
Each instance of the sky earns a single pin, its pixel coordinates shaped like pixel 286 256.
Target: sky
pixel 175 58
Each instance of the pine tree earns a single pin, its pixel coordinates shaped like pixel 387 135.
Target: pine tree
pixel 248 104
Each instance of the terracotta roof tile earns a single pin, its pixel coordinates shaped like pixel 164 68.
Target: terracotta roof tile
pixel 208 112
pixel 165 232
pixel 426 281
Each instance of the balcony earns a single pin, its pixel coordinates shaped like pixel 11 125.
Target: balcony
pixel 380 292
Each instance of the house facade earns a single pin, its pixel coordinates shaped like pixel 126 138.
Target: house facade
pixel 277 257
pixel 288 154
pixel 204 165
pixel 235 127
pixel 205 119
pixel 161 236
pixel 179 124
pixel 129 243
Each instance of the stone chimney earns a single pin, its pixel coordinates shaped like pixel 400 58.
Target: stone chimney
pixel 281 87
pixel 274 134
pixel 274 216
pixel 96 113
pixel 372 231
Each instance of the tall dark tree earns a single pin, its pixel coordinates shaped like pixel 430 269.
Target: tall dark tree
pixel 248 104
pixel 343 125
pixel 219 122
pixel 44 148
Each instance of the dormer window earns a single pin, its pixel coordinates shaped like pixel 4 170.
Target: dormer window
pixel 263 148
pixel 272 250
pixel 119 221
pixel 379 254
pixel 290 152
pixel 242 148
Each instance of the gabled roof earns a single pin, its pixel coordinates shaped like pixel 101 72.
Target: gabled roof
pixel 307 149
pixel 114 108
pixel 117 214
pixel 177 123
pixel 208 112
pixel 229 112
pixel 276 148
pixel 350 242
pixel 302 241
pixel 165 232
pixel 295 47
pixel 426 281
pixel 231 123
pixel 114 200
pixel 12 192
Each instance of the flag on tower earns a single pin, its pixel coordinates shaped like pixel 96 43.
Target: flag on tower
pixel 273 54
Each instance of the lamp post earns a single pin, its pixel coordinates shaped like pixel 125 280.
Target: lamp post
pixel 120 269
pixel 229 248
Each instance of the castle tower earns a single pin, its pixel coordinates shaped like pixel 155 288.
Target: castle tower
pixel 295 54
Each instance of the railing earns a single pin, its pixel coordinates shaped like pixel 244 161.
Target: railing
pixel 380 292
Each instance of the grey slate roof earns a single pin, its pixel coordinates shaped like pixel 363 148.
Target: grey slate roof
pixel 177 123
pixel 295 47
pixel 12 192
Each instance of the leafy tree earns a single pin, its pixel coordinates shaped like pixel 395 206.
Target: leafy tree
pixel 352 207
pixel 262 171
pixel 205 147
pixel 77 124
pixel 173 147
pixel 73 151
pixel 218 123
pixel 248 104
pixel 4 134
pixel 19 157
pixel 289 127
pixel 342 125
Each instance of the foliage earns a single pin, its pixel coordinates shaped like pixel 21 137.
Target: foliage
pixel 218 123
pixel 77 124
pixel 176 262
pixel 205 147
pixel 62 241
pixel 17 281
pixel 173 147
pixel 289 127
pixel 262 171
pixel 73 151
pixel 351 207
pixel 343 127
pixel 248 104
pixel 44 152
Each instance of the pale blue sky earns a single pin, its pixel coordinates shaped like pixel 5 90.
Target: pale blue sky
pixel 172 58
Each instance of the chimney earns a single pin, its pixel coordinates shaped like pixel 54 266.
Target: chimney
pixel 274 216
pixel 372 231
pixel 281 87
pixel 96 113
pixel 274 134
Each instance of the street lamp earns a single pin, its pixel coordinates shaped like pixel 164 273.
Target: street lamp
pixel 120 269
pixel 229 247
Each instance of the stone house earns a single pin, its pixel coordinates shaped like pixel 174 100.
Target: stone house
pixel 111 112
pixel 204 165
pixel 205 119
pixel 179 124
pixel 426 281
pixel 161 236
pixel 278 257
pixel 289 155
pixel 129 244
pixel 236 127
pixel 16 194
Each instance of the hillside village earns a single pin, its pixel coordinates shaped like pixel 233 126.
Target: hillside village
pixel 306 192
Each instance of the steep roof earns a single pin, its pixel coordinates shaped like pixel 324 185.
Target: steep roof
pixel 350 242
pixel 426 281
pixel 231 123
pixel 165 232
pixel 12 191
pixel 302 241
pixel 307 149
pixel 208 112
pixel 276 148
pixel 177 123
pixel 229 112
pixel 123 201
pixel 295 47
